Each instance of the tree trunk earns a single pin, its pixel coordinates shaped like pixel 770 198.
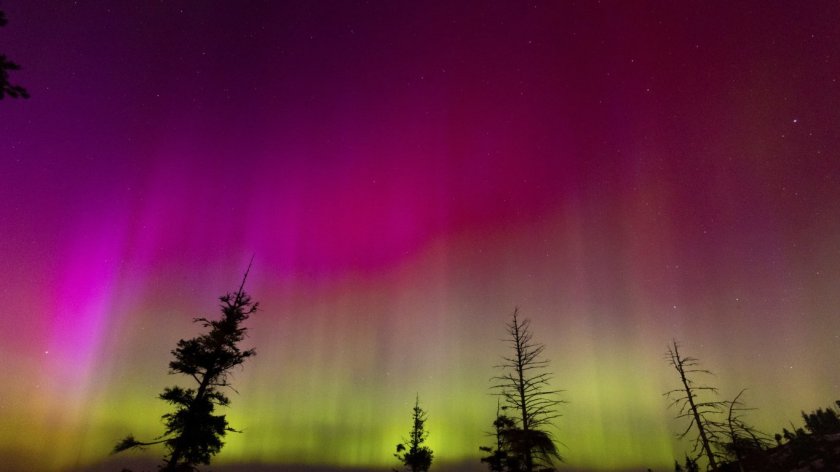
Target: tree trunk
pixel 706 447
pixel 520 371
pixel 178 450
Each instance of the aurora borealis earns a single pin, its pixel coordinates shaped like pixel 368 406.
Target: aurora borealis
pixel 405 174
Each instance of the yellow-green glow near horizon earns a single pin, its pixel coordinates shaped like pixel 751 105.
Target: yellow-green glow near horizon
pixel 337 370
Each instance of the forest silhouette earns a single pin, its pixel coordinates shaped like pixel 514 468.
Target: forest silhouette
pixel 523 433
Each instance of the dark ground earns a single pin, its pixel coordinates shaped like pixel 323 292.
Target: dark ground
pixel 135 465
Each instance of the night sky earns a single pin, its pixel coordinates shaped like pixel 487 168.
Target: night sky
pixel 405 174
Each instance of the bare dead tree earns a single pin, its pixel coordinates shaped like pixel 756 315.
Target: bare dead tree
pixel 689 404
pixel 525 388
pixel 741 437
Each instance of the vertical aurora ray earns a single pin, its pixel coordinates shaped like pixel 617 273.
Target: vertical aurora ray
pixel 405 175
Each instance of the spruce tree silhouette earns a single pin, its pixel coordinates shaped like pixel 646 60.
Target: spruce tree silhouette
pixel 413 454
pixel 6 87
pixel 193 432
pixel 822 421
pixel 690 466
pixel 813 449
pixel 500 457
pixel 700 413
pixel 525 388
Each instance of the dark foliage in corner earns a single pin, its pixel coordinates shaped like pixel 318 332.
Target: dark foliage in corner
pixel 6 65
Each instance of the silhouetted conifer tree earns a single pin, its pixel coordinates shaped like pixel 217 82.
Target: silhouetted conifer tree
pixel 6 88
pixel 822 421
pixel 819 450
pixel 193 432
pixel 413 454
pixel 524 387
pixel 700 413
pixel 501 457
